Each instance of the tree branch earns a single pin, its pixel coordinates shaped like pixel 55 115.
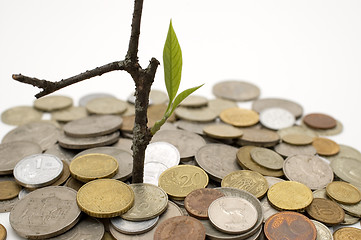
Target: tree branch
pixel 132 53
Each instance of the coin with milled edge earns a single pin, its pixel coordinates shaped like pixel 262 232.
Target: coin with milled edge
pixel 319 120
pixel 194 101
pixel 325 211
pixel 236 90
pixel 258 137
pixel 323 232
pixel 9 190
pixel 201 114
pixel 347 169
pixel 267 158
pixel 325 146
pixel 286 150
pixel 347 233
pixel 222 131
pixel 239 117
pixel 131 227
pixel 343 192
pixel 276 118
pixel 260 104
pixel 89 142
pixel 3 232
pixel 106 105
pixel 20 115
pixel 53 103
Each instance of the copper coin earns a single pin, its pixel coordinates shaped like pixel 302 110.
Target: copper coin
pixel 347 233
pixel 320 121
pixel 180 228
pixel 197 202
pixel 325 146
pixel 9 190
pixel 2 232
pixel 289 225
pixel 325 211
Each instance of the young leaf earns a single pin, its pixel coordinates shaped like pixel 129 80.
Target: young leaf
pixel 172 59
pixel 182 96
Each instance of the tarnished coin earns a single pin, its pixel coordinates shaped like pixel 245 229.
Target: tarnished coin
pixel 105 198
pixel 179 228
pixel 9 190
pixel 319 120
pixel 276 118
pixel 85 99
pixel 349 220
pixel 194 101
pixel 259 138
pixel 200 114
pixel 222 131
pixel 286 150
pixel 290 225
pixel 64 175
pixel 197 202
pixel 267 158
pixel 260 104
pixel 131 227
pixel 106 105
pixel 93 166
pixel 236 90
pixel 217 105
pixel 89 142
pixel 239 117
pixel 53 103
pixel 232 215
pixel 310 170
pixel 343 192
pixel 346 151
pixel 347 169
pixel 323 232
pixel 208 158
pixel 325 211
pixel 162 152
pixel 62 153
pixel 297 139
pixel 149 202
pixel 3 232
pixel 43 133
pixel 74 184
pixel 195 127
pixel 69 114
pixel 7 205
pixel 11 153
pixel 20 115
pixel 45 213
pixel 347 233
pixel 289 195
pixel 87 228
pixel 325 146
pixel 38 170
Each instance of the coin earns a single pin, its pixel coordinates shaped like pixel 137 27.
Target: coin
pixel 85 99
pixel 268 210
pixel 343 192
pixel 194 101
pixel 200 114
pixel 309 170
pixel 89 142
pixel 289 225
pixel 346 151
pixel 217 105
pixel 62 153
pixel 69 114
pixel 289 195
pixel 45 213
pixel 105 198
pixel 325 211
pixel 152 171
pixel 20 115
pixel 93 166
pixel 236 90
pixel 7 205
pixel 74 184
pixel 38 170
pixel 260 104
pixel 296 129
pixel 108 236
pixel 326 132
pixel 162 152
pixel 258 137
pixel 158 96
pixel 347 169
pixel 297 139
pixel 156 112
pixel 349 220
pixel 325 146
pixel 149 202
pixel 124 144
pixel 323 232
pixel 222 131
pixel 276 118
pixel 239 117
pixel 319 120
pixel 53 103
pixel 267 158
pixel 286 150
pixel 179 228
pixel 130 227
pixel 3 232
pixel 9 190
pixel 106 105
pixel 64 176
pixel 180 180
pixel 347 233
pixel 195 127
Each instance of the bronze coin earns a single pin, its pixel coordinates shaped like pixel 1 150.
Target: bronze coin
pixel 197 202
pixel 9 190
pixel 180 228
pixel 325 146
pixel 347 233
pixel 289 225
pixel 2 232
pixel 319 121
pixel 325 211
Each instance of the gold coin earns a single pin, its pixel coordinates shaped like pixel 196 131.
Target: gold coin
pixel 3 232
pixel 9 190
pixel 106 105
pixel 93 166
pixel 347 233
pixel 325 146
pixel 180 180
pixel 239 117
pixel 222 131
pixel 297 139
pixel 20 115
pixel 250 181
pixel 53 103
pixel 343 192
pixel 290 195
pixel 105 198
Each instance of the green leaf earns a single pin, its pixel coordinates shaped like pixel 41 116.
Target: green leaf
pixel 172 61
pixel 181 97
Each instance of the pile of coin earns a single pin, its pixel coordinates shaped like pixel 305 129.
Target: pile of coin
pixel 214 170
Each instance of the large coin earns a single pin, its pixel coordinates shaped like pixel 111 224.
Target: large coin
pixel 106 105
pixel 89 142
pixel 236 90
pixel 260 104
pixel 239 117
pixel 45 213
pixel 326 211
pixel 348 169
pixel 53 103
pixel 276 118
pixel 20 115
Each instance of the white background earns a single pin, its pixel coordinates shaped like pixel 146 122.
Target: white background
pixel 306 51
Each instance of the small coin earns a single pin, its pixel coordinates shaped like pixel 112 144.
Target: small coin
pixel 323 232
pixel 236 90
pixel 260 104
pixel 276 118
pixel 181 227
pixel 325 146
pixel 297 139
pixel 347 233
pixel 38 170
pixel 222 131
pixel 20 115
pixel 9 190
pixel 258 137
pixel 343 192
pixel 326 211
pixel 105 198
pixel 106 105
pixel 194 101
pixel 290 195
pixel 53 103
pixel 85 99
pixel 239 117
pixel 347 169
pixel 201 114
pixel 217 105
pixel 89 142
pixel 267 158
pixel 3 232
pixel 69 114
pixel 74 184
pixel 289 225
pixel 319 120
pixel 162 152
pixel 287 150
pixel 93 166
pixel 131 227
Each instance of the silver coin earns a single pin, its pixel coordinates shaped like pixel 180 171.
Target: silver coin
pixel 236 90
pixel 348 169
pixel 89 142
pixel 217 160
pixel 258 137
pixel 195 127
pixel 323 232
pixel 286 150
pixel 131 227
pixel 273 180
pixel 349 220
pixel 260 104
pixel 23 193
pixel 194 101
pixel 296 129
pixel 69 114
pixel 276 118
pixel 152 171
pixel 200 114
pixel 267 158
pixel 46 212
pixel 346 151
pixel 268 210
pixel 38 170
pixel 7 205
pixel 62 153
pixel 162 152
pixel 11 153
pixel 85 99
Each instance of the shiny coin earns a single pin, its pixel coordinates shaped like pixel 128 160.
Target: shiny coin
pixel 276 118
pixel 162 152
pixel 197 202
pixel 9 190
pixel 297 139
pixel 11 153
pixel 347 233
pixel 319 120
pixel 323 232
pixel 85 99
pixel 89 142
pixel 38 170
pixel 286 150
pixel 180 180
pixel 217 105
pixel 290 225
pixel 53 103
pixel 236 90
pixel 289 195
pixel 267 158
pixel 261 104
pixel 107 105
pixel 45 213
pixel 232 215
pixel 69 114
pixel 23 193
pixel 93 166
pixel 239 117
pixel 131 227
pixel 3 232
pixel 194 101
pixel 347 169
pixel 222 131
pixel 178 228
pixel 310 170
pixel 343 192
pixel 259 138
pixel 152 172
pixel 20 115
pixel 105 198
pixel 325 211
pixel 325 146
pixel 201 114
